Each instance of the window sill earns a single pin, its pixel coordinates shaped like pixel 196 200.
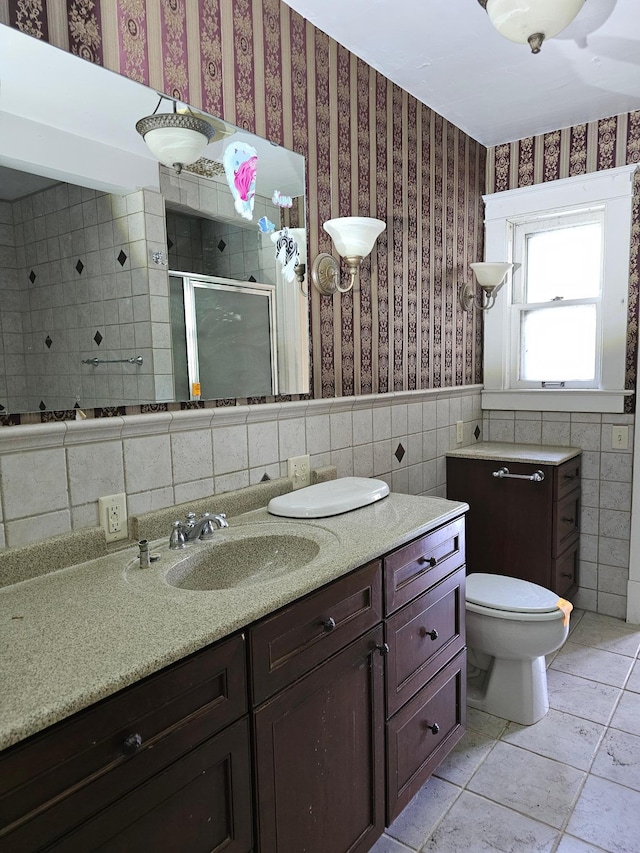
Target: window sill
pixel 548 400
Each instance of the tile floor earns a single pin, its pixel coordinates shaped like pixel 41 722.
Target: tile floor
pixel 570 783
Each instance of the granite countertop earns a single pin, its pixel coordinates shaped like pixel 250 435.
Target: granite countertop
pixel 77 635
pixel 502 451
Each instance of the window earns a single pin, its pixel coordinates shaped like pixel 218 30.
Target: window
pixel 556 338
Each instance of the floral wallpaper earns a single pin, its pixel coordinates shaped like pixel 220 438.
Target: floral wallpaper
pixel 371 149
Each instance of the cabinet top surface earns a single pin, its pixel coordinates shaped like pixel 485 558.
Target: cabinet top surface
pixel 78 635
pixel 503 451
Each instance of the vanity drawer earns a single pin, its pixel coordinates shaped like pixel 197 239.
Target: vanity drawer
pixel 566 520
pixel 567 477
pixel 415 567
pixel 288 644
pixel 422 637
pixel 422 733
pixel 564 571
pixel 209 686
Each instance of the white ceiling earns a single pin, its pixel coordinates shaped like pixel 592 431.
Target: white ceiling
pixel 448 55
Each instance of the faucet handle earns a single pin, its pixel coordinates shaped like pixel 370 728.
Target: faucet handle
pixel 190 519
pixel 208 529
pixel 178 539
pixel 221 519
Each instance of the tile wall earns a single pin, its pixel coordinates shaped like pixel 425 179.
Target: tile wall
pixel 51 475
pixel 606 494
pixel 81 286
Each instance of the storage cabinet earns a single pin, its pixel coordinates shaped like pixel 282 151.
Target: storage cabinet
pixel 517 526
pixel 329 718
pixel 125 765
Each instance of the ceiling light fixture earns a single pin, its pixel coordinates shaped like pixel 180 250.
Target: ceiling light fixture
pixel 531 21
pixel 177 139
pixel 490 276
pixel 353 238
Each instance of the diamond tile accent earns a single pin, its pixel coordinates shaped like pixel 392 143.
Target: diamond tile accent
pixel 32 276
pixel 48 342
pixel 252 278
pixel 97 338
pixel 121 258
pixel 399 454
pixel 265 477
pixel 42 405
pixel 476 432
pixel 222 245
pixel 169 243
pixel 79 267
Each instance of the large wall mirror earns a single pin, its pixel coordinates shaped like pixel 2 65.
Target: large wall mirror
pixel 124 282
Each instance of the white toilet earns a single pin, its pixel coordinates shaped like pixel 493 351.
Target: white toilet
pixel 511 625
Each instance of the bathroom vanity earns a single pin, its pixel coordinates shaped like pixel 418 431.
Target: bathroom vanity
pixel 303 712
pixel 524 510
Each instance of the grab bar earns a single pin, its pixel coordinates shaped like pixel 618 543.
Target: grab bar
pixel 137 359
pixel 536 477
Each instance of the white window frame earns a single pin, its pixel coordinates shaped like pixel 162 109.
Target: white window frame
pixel 611 191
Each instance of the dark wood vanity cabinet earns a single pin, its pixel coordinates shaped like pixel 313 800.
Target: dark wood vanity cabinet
pixel 310 734
pixel 523 528
pixel 162 765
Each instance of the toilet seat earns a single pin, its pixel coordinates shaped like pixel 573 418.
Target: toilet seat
pixel 510 598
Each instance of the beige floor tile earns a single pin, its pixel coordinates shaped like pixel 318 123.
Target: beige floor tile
pixel 460 765
pixel 634 679
pixel 588 699
pixel 389 845
pixel 560 736
pixel 530 783
pixel 607 815
pixel 476 825
pixel 569 844
pixel 596 664
pixel 607 635
pixel 420 817
pixel 485 723
pixel 618 759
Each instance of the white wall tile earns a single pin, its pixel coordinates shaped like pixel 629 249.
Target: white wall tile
pixel 147 463
pixel 318 434
pixel 24 531
pixel 191 455
pixel 362 426
pixel 341 430
pixel 263 443
pixel 92 475
pixel 33 483
pixel 230 449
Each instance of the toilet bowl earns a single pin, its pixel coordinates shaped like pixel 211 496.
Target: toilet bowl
pixel 511 626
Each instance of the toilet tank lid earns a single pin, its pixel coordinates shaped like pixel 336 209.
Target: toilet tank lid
pixel 504 593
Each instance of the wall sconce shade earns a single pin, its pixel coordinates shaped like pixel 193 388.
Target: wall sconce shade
pixel 175 139
pixel 490 275
pixel 531 21
pixel 354 238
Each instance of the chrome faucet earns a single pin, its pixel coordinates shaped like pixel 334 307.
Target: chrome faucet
pixel 191 529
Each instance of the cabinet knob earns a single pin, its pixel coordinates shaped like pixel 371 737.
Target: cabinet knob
pixel 383 649
pixel 431 561
pixel 566 574
pixel 329 624
pixel 132 744
pixel 434 729
pixel 433 633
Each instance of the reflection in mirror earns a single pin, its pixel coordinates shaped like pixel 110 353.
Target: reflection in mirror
pixel 99 245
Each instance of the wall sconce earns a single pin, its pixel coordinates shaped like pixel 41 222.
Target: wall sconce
pixel 353 238
pixel 177 139
pixel 490 276
pixel 531 21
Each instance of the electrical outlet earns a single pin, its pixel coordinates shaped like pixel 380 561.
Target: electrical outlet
pixel 620 437
pixel 459 432
pixel 112 510
pixel 299 470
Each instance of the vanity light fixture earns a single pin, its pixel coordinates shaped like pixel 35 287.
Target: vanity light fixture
pixel 531 21
pixel 490 276
pixel 177 139
pixel 353 238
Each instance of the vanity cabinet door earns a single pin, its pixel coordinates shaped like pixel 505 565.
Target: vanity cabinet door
pixel 320 757
pixel 201 804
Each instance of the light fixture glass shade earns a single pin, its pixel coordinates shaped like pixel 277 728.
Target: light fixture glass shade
pixel 518 20
pixel 175 139
pixel 490 274
pixel 354 236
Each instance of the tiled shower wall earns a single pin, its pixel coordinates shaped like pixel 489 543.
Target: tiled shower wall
pixel 605 521
pixel 51 475
pixel 83 287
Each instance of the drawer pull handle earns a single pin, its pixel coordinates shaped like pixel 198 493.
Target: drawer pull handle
pixel 383 649
pixel 432 561
pixel 433 633
pixel 570 476
pixel 568 520
pixel 536 477
pixel 329 624
pixel 566 575
pixel 434 729
pixel 132 744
